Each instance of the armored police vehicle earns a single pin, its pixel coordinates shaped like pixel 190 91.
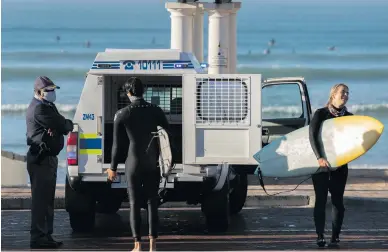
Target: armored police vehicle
pixel 217 122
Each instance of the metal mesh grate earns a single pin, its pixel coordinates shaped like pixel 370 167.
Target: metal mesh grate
pixel 222 101
pixel 167 97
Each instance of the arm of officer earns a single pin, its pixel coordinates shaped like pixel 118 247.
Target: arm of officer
pixel 51 120
pixel 117 124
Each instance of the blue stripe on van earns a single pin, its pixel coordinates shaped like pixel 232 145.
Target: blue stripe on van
pixel 90 143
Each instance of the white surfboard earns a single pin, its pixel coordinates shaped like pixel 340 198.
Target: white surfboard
pixel 344 139
pixel 165 157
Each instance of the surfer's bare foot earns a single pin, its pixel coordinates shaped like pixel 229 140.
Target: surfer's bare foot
pixel 137 246
pixel 152 244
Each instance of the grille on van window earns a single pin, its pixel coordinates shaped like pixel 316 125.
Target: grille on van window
pixel 167 98
pixel 222 101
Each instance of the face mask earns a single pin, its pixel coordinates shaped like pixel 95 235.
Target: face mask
pixel 49 96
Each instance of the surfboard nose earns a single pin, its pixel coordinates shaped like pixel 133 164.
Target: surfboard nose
pixel 370 123
pixel 360 134
pixel 374 125
pixel 379 126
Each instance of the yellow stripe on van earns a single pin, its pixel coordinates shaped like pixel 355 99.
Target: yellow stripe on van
pixel 90 151
pixel 88 135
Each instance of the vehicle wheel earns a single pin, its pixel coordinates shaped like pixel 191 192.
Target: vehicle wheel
pixel 111 202
pixel 239 194
pixel 82 222
pixel 81 207
pixel 215 207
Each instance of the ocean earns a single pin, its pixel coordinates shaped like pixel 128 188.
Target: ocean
pixel 303 31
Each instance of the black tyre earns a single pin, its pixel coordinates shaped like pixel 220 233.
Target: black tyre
pixel 111 201
pixel 215 207
pixel 238 195
pixel 82 222
pixel 81 207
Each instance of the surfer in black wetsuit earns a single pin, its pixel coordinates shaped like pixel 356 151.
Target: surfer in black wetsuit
pixel 333 181
pixel 139 120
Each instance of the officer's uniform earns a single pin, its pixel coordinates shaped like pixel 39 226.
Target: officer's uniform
pixel 42 162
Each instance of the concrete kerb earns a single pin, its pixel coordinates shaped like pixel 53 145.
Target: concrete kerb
pixel 20 199
pixel 24 203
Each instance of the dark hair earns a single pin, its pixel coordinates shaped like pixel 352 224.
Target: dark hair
pixel 134 86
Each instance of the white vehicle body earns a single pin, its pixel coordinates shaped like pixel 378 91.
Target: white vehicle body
pixel 216 123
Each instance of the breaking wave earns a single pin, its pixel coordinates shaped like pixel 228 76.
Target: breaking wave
pixel 275 110
pixel 22 108
pixel 357 108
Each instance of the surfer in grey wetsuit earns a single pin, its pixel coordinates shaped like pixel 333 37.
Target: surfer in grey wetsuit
pixel 333 181
pixel 137 122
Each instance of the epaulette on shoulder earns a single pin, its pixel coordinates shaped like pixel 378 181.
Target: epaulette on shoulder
pixel 149 105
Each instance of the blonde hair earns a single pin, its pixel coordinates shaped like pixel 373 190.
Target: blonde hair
pixel 333 90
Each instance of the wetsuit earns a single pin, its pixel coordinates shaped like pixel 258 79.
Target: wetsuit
pixel 333 181
pixel 139 120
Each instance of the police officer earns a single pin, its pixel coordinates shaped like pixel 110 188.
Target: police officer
pixel 138 121
pixel 46 128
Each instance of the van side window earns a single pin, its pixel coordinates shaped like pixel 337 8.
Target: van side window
pixel 281 101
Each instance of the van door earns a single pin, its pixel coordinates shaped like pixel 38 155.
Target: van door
pixel 285 107
pixel 221 118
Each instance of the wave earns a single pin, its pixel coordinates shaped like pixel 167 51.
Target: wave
pixel 379 110
pixel 30 73
pixel 8 109
pixel 368 166
pixel 84 30
pixel 59 55
pixel 316 57
pixel 319 74
pixel 78 73
pixel 376 110
pixel 357 108
pixel 283 110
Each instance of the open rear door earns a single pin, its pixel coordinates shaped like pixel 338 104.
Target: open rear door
pixel 285 105
pixel 221 118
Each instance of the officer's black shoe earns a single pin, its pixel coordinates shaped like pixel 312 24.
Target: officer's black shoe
pixel 321 241
pixel 51 239
pixel 44 245
pixel 334 242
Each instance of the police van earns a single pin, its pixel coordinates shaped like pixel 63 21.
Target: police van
pixel 218 122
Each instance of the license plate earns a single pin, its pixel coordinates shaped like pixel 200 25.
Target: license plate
pixel 117 179
pixel 119 182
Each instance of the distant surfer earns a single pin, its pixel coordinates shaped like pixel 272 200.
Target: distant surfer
pixel 87 43
pixel 271 42
pixel 332 48
pixel 58 38
pixel 267 51
pixel 327 180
